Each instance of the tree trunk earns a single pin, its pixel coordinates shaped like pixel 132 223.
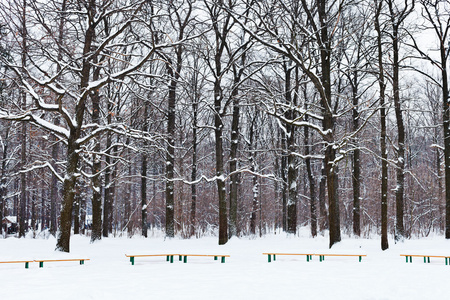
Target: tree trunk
pixel 144 194
pixel 220 181
pixel 446 123
pixel 356 176
pixel 23 136
pixel 255 189
pixel 63 240
pixel 76 211
pixel 170 156
pixel 235 178
pixel 331 169
pixel 383 134
pixel 283 172
pixel 399 190
pixel 3 178
pixel 312 183
pixel 96 233
pixel 194 159
pixel 323 219
pixel 107 205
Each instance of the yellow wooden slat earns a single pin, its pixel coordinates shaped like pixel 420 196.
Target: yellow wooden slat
pixel 15 261
pixel 55 260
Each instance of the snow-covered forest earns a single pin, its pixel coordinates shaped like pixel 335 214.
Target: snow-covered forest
pixel 226 118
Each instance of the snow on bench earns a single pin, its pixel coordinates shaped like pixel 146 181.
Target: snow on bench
pixel 169 257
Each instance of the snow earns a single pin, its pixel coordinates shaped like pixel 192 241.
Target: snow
pixel 245 275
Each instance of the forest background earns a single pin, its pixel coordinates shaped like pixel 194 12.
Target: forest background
pixel 231 118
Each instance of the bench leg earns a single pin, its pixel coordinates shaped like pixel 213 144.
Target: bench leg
pixel 269 258
pixel 223 259
pixel 41 264
pixel 428 259
pixel 307 258
pixel 171 259
pixel 446 261
pixel 215 257
pixel 81 262
pixel 360 258
pixel 27 264
pixel 274 257
pixel 132 260
pixel 185 259
pixel 179 257
pixel 168 258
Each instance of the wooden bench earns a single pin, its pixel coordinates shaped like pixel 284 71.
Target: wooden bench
pixel 426 258
pixel 169 257
pixel 309 256
pixel 27 262
pixel 41 261
pixel 269 255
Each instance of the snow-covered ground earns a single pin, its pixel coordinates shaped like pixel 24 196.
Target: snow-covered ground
pixel 245 275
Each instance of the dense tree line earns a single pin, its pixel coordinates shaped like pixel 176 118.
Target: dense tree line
pixel 230 117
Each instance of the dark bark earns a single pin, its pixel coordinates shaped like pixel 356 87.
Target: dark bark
pixel 23 136
pixel 144 195
pixel 63 240
pixel 235 178
pixel 356 174
pixel 399 191
pixel 96 233
pixel 323 219
pixel 3 178
pixel 283 171
pixel 331 169
pixel 383 134
pixel 292 171
pixel 397 17
pixel 76 211
pixel 107 205
pixel 255 186
pixel 174 71
pixel 193 220
pixel 170 156
pixel 312 182
pixel 221 30
pixel 54 189
pixel 220 181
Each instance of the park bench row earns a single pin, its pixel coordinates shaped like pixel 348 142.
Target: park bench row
pixel 271 256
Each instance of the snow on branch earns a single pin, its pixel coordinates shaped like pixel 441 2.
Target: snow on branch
pixel 38 121
pixel 41 165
